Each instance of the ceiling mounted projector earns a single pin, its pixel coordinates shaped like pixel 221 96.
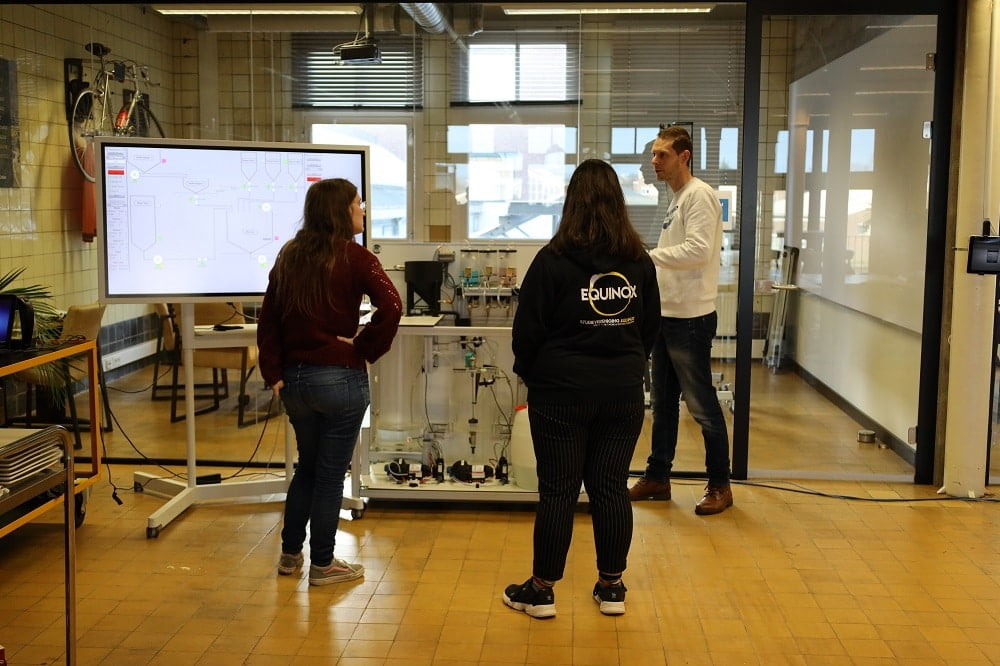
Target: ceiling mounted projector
pixel 361 52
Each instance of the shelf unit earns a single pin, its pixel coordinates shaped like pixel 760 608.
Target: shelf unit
pixel 17 440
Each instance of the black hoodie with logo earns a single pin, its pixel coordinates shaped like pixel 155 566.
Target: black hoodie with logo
pixel 584 327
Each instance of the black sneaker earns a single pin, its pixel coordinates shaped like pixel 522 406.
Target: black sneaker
pixel 611 598
pixel 536 603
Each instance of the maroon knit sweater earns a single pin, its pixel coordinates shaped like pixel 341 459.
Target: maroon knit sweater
pixel 288 337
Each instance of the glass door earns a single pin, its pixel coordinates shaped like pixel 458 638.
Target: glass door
pixel 838 355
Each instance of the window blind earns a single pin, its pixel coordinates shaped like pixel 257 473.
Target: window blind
pixel 321 80
pixel 690 72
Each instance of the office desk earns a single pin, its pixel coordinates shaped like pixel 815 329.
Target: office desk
pixel 181 495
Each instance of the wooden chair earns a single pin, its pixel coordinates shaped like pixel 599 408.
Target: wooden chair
pixel 168 354
pixel 81 322
pixel 242 359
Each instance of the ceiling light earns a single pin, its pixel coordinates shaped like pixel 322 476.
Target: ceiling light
pixel 549 8
pixel 256 9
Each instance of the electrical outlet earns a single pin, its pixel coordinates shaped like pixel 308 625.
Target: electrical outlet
pixel 439 428
pixel 111 361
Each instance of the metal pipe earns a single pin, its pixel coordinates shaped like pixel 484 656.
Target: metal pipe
pixel 427 16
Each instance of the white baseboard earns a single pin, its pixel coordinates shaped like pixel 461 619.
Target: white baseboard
pixel 127 355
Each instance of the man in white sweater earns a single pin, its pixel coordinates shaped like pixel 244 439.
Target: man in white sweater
pixel 687 259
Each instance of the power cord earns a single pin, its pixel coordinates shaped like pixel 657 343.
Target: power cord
pixel 267 419
pixel 167 370
pixel 793 487
pixel 179 476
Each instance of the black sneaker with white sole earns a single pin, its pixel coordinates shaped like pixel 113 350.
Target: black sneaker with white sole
pixel 538 603
pixel 611 598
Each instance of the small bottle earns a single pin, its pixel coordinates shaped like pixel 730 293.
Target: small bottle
pixel 3 656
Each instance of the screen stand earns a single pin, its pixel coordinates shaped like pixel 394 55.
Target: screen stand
pixel 182 496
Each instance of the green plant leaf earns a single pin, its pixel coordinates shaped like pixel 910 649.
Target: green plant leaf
pixel 48 324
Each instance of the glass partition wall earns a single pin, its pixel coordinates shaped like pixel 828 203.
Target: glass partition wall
pixel 844 164
pixel 477 113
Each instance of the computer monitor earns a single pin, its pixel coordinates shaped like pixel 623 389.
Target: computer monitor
pixel 184 220
pixel 17 322
pixel 6 319
pixel 984 255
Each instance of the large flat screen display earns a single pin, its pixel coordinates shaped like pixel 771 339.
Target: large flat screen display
pixel 198 221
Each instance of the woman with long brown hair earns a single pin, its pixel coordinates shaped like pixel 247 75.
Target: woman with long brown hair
pixel 587 315
pixel 314 356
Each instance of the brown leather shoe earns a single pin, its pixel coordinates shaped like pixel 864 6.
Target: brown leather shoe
pixel 647 489
pixel 716 500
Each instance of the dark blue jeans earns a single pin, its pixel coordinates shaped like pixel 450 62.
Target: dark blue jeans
pixel 682 363
pixel 326 405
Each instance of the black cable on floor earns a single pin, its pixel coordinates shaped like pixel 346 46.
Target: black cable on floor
pixel 798 488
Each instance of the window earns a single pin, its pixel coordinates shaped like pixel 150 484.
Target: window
pixel 657 77
pixel 320 79
pixel 729 143
pixel 781 152
pixel 859 229
pixel 387 212
pixel 513 177
pixel 862 150
pixel 536 67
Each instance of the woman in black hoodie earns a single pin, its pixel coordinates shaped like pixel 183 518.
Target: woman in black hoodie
pixel 588 312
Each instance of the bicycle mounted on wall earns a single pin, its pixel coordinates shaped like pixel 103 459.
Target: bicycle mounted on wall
pixel 93 114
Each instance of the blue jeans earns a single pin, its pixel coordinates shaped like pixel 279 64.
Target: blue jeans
pixel 682 363
pixel 326 405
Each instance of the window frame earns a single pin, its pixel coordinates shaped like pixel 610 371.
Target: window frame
pixel 416 228
pixel 491 114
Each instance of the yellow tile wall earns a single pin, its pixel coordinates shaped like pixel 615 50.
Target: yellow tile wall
pixel 40 220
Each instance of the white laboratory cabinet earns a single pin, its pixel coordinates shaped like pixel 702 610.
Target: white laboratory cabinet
pixel 442 422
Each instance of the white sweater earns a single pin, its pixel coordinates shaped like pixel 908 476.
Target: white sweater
pixel 688 253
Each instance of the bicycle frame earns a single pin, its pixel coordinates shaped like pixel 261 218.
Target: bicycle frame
pixel 132 117
pixel 102 90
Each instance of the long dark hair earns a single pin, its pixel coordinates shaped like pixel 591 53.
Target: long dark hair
pixel 594 214
pixel 304 263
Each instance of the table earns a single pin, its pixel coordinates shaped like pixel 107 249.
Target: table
pixel 182 496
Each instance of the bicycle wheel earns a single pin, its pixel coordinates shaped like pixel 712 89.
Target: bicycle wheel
pixel 84 125
pixel 146 123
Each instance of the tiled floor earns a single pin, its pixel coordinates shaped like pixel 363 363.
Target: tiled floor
pixel 837 573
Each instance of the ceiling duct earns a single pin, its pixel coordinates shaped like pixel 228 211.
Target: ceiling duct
pixel 428 16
